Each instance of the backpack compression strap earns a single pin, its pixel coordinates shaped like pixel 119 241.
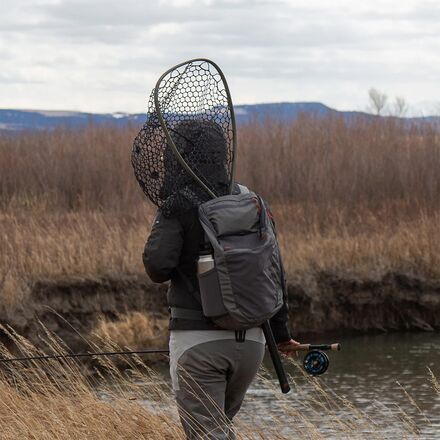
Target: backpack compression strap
pixel 190 314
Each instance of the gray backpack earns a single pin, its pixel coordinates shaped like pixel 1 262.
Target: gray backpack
pixel 244 286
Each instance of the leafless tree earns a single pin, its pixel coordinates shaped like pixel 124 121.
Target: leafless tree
pixel 378 100
pixel 400 107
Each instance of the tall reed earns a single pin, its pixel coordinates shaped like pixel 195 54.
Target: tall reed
pixel 325 161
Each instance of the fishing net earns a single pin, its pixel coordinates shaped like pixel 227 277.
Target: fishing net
pixel 184 153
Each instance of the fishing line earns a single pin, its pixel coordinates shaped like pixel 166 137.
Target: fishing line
pixel 79 355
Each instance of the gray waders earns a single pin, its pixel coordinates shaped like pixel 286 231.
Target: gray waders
pixel 213 378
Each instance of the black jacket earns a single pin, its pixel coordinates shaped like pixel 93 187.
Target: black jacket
pixel 171 253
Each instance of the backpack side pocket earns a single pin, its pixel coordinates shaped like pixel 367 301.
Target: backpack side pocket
pixel 211 295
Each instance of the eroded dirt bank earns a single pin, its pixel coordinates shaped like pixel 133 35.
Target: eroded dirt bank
pixel 71 308
pixel 329 303
pixel 393 302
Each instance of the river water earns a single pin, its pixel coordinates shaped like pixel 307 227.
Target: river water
pixel 377 386
pixel 386 379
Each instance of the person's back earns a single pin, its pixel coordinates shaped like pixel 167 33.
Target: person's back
pixel 211 368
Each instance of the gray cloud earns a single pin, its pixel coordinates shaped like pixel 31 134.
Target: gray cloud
pixel 105 55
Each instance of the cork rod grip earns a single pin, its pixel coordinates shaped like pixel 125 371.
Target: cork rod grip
pixel 307 347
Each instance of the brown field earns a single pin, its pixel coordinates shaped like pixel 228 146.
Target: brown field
pixel 360 198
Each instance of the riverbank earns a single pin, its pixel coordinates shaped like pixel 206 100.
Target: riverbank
pixel 131 311
pixel 356 207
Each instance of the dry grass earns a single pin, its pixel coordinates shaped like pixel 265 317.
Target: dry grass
pixel 69 170
pixel 65 244
pixel 331 163
pixel 364 163
pixel 369 249
pixel 55 400
pixel 134 331
pixel 92 244
pixel 354 198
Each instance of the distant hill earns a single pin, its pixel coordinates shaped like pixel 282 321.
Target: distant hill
pixel 17 120
pixel 38 119
pixel 290 111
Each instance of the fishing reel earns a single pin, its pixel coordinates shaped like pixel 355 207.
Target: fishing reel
pixel 316 361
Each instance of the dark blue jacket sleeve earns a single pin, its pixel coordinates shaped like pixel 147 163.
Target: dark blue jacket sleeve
pixel 163 248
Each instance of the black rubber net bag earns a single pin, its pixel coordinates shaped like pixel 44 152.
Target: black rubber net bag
pixel 185 152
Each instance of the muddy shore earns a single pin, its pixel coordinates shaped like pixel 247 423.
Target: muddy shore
pixel 328 304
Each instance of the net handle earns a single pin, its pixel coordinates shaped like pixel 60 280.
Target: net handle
pixel 171 143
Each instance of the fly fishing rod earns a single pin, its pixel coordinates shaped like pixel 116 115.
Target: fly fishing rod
pixel 316 362
pixel 80 355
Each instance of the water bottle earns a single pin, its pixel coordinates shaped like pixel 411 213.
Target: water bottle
pixel 205 263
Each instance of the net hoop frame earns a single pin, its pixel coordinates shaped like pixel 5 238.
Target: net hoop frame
pixel 171 143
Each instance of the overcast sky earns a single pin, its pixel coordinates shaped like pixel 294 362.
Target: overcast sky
pixel 104 56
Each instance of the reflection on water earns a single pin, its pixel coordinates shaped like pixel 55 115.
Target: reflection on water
pixel 386 377
pixel 378 386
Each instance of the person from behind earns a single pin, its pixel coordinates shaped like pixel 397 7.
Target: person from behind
pixel 211 367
